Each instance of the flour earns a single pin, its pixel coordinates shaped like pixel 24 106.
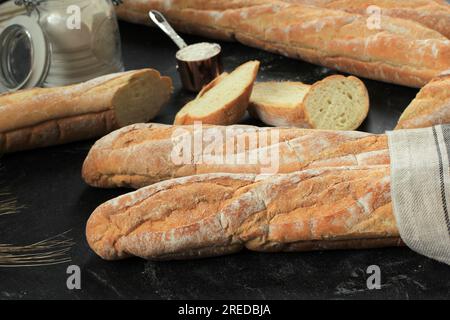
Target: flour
pixel 198 52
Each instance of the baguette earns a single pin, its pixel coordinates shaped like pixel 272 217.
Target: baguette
pixel 217 214
pixel 335 103
pixel 141 154
pixel 224 101
pixel 44 117
pixel 430 107
pixel 332 38
pixel 433 14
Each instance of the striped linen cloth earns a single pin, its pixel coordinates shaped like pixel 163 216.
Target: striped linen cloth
pixel 420 187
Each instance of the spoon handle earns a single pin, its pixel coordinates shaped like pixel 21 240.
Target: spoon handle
pixel 161 22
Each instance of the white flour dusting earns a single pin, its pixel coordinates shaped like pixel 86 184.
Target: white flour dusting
pixel 198 52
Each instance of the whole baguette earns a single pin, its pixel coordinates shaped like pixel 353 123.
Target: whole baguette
pixel 217 214
pixel 332 38
pixel 430 107
pixel 43 117
pixel 141 154
pixel 433 14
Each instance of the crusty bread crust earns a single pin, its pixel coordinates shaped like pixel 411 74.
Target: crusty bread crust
pixel 430 107
pixel 279 117
pixel 139 155
pixel 218 214
pixel 433 14
pixel 43 117
pixel 332 38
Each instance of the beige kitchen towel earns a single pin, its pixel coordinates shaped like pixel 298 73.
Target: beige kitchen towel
pixel 420 187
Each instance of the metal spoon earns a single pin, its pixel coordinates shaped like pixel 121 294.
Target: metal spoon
pixel 162 23
pixel 198 64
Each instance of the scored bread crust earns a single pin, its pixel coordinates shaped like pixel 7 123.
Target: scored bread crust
pixel 362 115
pixel 216 214
pixel 430 107
pixel 229 113
pixel 141 154
pixel 42 117
pixel 280 117
pixel 433 14
pixel 332 38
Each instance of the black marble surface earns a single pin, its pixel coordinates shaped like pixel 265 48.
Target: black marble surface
pixel 48 183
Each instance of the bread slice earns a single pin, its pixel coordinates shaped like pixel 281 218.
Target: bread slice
pixel 212 84
pixel 42 117
pixel 225 102
pixel 279 103
pixel 337 103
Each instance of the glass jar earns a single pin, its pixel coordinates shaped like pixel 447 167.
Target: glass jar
pixel 61 42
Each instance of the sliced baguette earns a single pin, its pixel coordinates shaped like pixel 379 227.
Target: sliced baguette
pixel 279 103
pixel 223 103
pixel 42 117
pixel 337 103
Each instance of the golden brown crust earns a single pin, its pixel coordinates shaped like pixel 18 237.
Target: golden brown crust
pixel 332 38
pixel 430 107
pixel 216 214
pixel 279 117
pixel 140 155
pixel 43 117
pixel 433 14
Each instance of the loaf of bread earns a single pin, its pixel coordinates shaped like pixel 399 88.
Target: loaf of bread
pixel 334 103
pixel 224 101
pixel 217 214
pixel 434 14
pixel 142 154
pixel 43 117
pixel 430 107
pixel 400 51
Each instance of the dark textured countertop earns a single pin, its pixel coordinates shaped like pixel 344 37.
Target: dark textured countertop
pixel 47 183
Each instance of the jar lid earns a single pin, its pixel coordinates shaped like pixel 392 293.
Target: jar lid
pixel 25 54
